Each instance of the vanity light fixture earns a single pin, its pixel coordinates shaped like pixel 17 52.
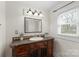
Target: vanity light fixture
pixel 33 13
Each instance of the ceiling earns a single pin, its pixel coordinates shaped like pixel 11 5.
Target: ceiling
pixel 44 5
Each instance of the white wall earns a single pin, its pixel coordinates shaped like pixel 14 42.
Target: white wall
pixel 15 21
pixel 2 29
pixel 64 45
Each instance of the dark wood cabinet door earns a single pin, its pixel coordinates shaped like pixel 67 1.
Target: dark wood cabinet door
pixel 21 51
pixel 39 49
pixel 50 48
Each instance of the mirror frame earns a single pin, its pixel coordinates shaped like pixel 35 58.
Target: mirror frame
pixel 25 19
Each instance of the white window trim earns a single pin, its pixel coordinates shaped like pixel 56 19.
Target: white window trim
pixel 64 34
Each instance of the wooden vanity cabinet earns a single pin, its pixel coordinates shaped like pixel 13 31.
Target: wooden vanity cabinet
pixel 36 49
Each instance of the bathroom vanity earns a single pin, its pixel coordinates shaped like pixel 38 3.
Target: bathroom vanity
pixel 33 48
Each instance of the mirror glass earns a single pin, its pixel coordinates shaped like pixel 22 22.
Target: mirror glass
pixel 32 25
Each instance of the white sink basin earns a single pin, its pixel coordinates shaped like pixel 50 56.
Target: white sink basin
pixel 36 38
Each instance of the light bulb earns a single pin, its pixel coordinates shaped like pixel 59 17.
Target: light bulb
pixel 30 13
pixel 35 13
pixel 41 15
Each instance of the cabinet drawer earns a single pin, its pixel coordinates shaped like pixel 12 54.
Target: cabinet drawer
pixel 42 43
pixel 38 45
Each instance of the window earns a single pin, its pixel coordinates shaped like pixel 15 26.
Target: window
pixel 68 22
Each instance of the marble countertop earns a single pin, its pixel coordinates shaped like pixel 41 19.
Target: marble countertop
pixel 16 43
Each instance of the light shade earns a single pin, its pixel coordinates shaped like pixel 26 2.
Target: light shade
pixel 29 13
pixel 41 15
pixel 36 14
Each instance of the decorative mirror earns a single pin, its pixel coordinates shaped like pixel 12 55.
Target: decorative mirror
pixel 32 25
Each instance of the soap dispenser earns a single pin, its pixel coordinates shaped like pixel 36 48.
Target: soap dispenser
pixel 46 34
pixel 21 36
